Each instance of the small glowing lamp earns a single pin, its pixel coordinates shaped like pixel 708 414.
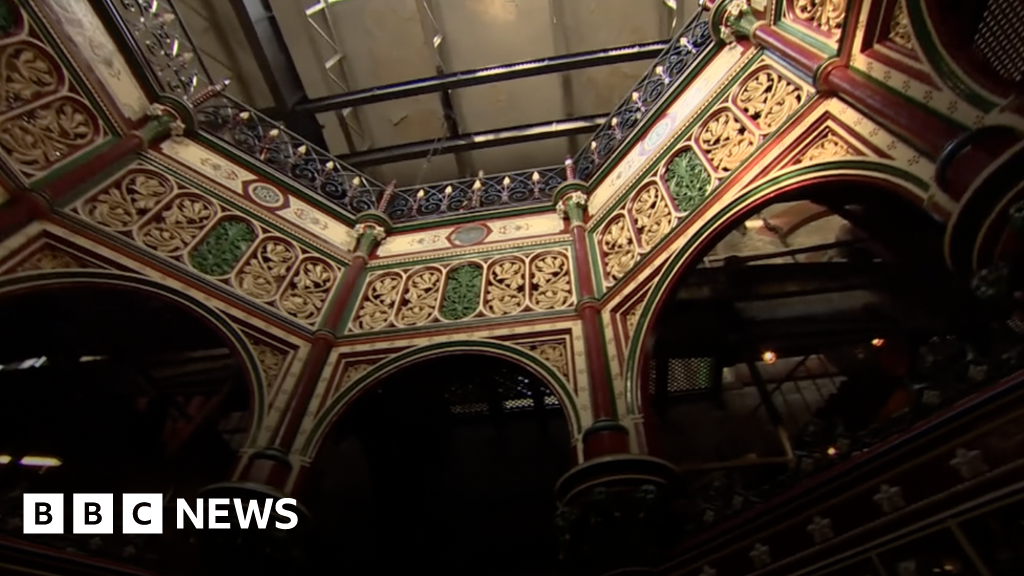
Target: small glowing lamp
pixel 832 451
pixel 5 459
pixel 878 342
pixel 40 462
pixel 769 357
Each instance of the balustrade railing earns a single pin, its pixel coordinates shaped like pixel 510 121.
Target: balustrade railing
pixel 660 80
pixel 161 41
pixel 270 144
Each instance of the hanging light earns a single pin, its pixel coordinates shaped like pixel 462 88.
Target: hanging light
pixel 40 462
pixel 769 357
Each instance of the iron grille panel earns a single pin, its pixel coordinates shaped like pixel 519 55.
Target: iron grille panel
pixel 1000 40
pixel 688 375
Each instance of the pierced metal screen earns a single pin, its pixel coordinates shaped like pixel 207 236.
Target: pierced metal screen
pixel 684 376
pixel 1000 38
pixel 690 375
pixel 498 392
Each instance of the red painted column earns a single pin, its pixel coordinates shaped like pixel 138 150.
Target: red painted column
pixel 799 55
pixel 606 435
pixel 271 466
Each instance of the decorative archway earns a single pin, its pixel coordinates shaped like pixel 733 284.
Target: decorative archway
pixel 211 317
pixel 555 382
pixel 901 184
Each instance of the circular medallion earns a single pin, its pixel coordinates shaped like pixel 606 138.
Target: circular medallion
pixel 266 195
pixel 657 135
pixel 470 234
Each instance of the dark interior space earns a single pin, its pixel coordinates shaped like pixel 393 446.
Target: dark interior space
pixel 112 390
pixel 454 460
pixel 759 361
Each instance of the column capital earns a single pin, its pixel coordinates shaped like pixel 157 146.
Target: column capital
pixel 732 20
pixel 368 234
pixel 573 206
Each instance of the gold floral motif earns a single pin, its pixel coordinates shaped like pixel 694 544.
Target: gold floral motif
pixel 726 141
pixel 825 14
pixel 554 354
pixel 353 372
pixel 619 248
pixel 551 286
pixel 181 222
pixel 506 280
pixel 378 302
pixel 50 259
pixel 631 320
pixel 26 75
pixel 900 32
pixel 40 137
pixel 422 292
pixel 304 298
pixel 271 363
pixel 651 216
pixel 124 205
pixel 267 268
pixel 769 99
pixel 828 148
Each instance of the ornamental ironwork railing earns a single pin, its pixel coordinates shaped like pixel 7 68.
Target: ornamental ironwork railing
pixel 523 188
pixel 691 43
pixel 160 40
pixel 270 144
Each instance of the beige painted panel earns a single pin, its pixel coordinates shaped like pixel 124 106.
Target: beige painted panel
pixel 92 39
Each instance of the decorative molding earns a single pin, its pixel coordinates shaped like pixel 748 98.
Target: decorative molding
pixel 826 15
pixel 445 292
pixel 207 238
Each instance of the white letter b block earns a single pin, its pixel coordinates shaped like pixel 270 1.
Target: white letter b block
pixel 43 514
pixel 92 513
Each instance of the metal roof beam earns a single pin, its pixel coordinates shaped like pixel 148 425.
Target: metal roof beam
pixel 480 76
pixel 476 141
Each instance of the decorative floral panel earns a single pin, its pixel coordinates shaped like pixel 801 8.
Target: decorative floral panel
pixel 44 121
pixel 210 239
pixel 495 287
pixel 825 17
pixel 761 103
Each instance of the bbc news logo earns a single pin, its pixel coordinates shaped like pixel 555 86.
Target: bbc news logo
pixel 143 513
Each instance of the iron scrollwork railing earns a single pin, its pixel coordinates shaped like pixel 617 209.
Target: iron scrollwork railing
pixel 267 142
pixel 485 193
pixel 161 40
pixel 689 45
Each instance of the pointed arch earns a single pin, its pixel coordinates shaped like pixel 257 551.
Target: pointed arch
pixel 871 173
pixel 555 382
pixel 213 318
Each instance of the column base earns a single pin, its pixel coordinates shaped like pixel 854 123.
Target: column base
pixel 616 514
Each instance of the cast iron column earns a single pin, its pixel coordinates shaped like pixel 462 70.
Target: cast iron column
pixel 272 465
pixel 614 508
pixel 606 435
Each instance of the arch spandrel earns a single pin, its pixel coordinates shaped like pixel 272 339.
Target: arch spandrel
pixel 46 254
